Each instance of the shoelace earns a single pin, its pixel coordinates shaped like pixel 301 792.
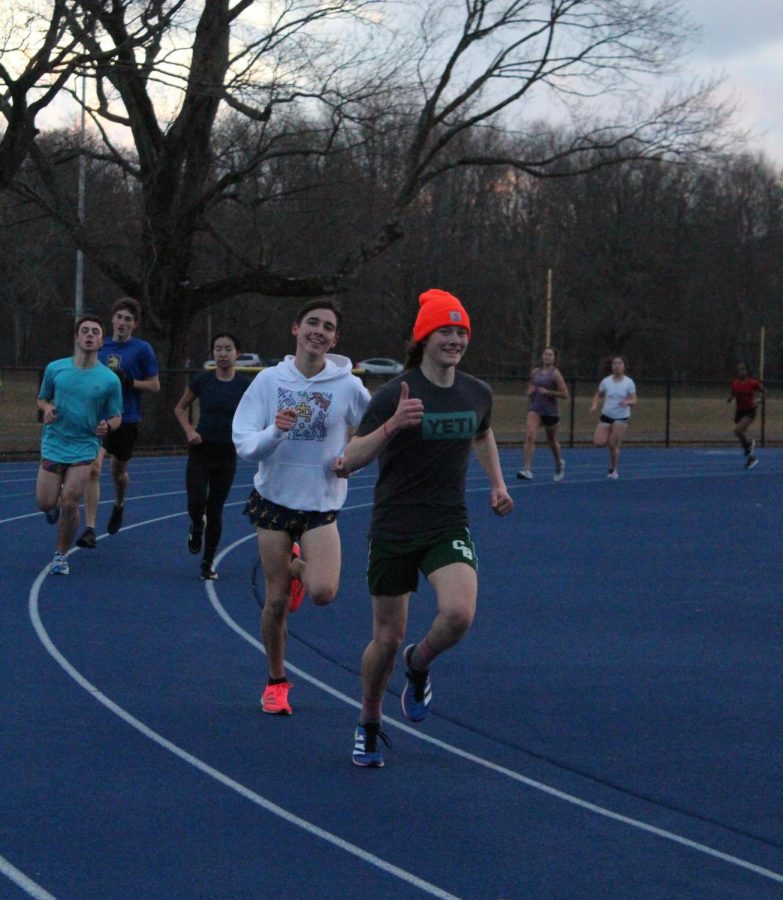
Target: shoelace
pixel 371 739
pixel 419 681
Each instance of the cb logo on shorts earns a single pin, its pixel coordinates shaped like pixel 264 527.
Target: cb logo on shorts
pixel 462 548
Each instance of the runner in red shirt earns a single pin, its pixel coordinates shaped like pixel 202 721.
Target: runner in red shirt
pixel 743 390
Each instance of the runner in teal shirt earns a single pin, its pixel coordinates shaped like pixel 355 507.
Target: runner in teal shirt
pixel 80 401
pixel 82 397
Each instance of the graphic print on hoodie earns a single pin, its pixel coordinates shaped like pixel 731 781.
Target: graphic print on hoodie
pixel 295 466
pixel 312 411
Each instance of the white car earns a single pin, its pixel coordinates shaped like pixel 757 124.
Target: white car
pixel 244 359
pixel 249 359
pixel 380 365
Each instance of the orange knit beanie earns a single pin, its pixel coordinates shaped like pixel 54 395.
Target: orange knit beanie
pixel 436 309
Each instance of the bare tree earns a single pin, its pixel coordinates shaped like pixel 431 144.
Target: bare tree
pixel 38 56
pixel 308 81
pixel 737 236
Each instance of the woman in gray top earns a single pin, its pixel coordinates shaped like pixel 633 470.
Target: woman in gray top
pixel 545 388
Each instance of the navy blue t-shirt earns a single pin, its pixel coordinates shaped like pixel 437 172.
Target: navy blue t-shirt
pixel 217 402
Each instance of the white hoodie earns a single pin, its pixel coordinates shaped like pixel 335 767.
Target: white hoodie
pixel 295 467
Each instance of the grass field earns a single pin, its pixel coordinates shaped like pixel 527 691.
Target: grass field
pixel 696 414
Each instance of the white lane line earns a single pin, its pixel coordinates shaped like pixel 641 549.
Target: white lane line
pixel 32 515
pixel 30 887
pixel 485 763
pixel 37 512
pixel 219 776
pixel 581 473
pixel 449 748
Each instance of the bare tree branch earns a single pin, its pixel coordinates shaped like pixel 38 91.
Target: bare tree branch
pixel 308 83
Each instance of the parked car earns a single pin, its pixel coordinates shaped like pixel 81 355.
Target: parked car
pixel 244 359
pixel 249 359
pixel 380 365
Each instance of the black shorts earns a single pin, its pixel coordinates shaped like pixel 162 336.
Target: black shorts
pixel 120 443
pixel 608 420
pixel 394 566
pixel 549 421
pixel 744 414
pixel 271 516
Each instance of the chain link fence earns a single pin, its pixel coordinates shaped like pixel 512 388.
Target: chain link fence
pixel 668 413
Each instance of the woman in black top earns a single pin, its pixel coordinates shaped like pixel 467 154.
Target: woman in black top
pixel 212 459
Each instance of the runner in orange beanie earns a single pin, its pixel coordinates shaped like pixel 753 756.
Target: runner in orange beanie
pixel 439 308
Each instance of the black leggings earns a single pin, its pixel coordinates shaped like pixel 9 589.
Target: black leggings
pixel 208 477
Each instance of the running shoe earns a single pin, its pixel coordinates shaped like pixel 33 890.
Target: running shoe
pixel 525 475
pixel 208 573
pixel 297 588
pixel 59 565
pixel 115 519
pixel 52 515
pixel 87 539
pixel 365 746
pixel 417 693
pixel 274 700
pixel 560 470
pixel 752 462
pixel 194 539
pixel 613 474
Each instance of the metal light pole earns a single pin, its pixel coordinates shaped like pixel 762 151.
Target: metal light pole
pixel 80 208
pixel 548 329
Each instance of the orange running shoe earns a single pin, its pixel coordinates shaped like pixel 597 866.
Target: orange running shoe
pixel 274 700
pixel 297 588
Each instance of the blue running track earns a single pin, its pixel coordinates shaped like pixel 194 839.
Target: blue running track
pixel 611 727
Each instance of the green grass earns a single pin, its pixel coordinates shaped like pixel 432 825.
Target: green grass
pixel 701 416
pixel 698 414
pixel 20 431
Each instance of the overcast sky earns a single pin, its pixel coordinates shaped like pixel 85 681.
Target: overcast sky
pixel 743 40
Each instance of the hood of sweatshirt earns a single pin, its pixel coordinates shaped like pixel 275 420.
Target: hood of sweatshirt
pixel 336 367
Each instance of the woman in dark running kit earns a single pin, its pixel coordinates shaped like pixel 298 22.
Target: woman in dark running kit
pixel 212 458
pixel 743 390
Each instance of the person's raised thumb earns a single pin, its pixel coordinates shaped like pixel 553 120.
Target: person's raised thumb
pixel 404 391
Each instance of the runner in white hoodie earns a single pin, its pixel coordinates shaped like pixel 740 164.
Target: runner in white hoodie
pixel 294 420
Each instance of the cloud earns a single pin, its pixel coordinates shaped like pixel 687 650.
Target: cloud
pixel 744 43
pixel 729 28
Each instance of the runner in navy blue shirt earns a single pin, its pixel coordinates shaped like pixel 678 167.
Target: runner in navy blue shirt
pixel 212 458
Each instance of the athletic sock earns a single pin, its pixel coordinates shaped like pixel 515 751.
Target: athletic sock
pixel 371 711
pixel 277 680
pixel 364 722
pixel 422 656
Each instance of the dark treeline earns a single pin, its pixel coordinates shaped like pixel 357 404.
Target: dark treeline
pixel 241 158
pixel 677 266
